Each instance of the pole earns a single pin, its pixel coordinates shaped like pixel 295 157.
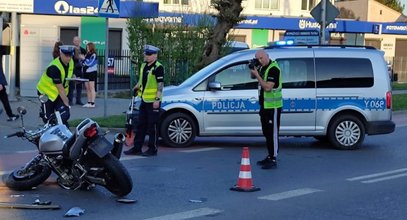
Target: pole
pixel 13 55
pixel 323 21
pixel 106 73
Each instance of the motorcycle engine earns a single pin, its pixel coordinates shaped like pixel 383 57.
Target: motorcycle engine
pixel 54 139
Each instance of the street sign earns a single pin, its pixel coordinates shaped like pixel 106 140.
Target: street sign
pixel 331 12
pixel 109 8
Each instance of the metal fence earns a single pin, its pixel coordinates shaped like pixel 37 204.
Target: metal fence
pixel 119 72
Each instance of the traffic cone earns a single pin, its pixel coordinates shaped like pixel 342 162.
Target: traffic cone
pixel 245 183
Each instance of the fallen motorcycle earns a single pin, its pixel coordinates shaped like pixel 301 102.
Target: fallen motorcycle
pixel 82 159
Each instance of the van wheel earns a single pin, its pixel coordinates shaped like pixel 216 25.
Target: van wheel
pixel 346 132
pixel 178 130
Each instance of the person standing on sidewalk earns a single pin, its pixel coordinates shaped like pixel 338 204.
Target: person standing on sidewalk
pixel 271 103
pixel 4 96
pixel 76 86
pixel 150 88
pixel 53 83
pixel 90 72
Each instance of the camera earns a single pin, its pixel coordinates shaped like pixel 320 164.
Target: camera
pixel 253 63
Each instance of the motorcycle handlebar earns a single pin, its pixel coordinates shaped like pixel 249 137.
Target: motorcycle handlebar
pixel 18 134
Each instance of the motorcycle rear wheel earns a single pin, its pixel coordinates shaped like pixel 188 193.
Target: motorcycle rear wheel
pixel 118 180
pixel 27 179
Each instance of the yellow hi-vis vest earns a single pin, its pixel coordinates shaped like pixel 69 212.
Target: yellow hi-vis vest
pixel 47 87
pixel 149 93
pixel 273 98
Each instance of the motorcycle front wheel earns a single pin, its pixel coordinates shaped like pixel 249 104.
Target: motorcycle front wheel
pixel 118 180
pixel 26 179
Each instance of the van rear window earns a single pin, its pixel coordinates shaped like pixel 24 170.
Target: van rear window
pixel 344 72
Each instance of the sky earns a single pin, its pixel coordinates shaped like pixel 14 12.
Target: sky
pixel 405 6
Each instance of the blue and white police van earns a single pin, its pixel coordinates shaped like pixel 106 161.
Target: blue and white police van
pixel 335 93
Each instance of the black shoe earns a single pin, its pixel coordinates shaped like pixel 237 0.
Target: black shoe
pixel 149 153
pixel 79 103
pixel 271 163
pixel 133 151
pixel 13 118
pixel 264 161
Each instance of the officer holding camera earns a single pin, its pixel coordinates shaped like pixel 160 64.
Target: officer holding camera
pixel 268 73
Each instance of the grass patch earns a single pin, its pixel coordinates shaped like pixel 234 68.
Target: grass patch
pixel 399 86
pixel 113 121
pixel 399 102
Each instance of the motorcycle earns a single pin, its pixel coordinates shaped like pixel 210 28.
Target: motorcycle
pixel 81 160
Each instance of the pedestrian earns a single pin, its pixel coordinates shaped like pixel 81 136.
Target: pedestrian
pixel 55 51
pixel 150 88
pixel 53 83
pixel 90 67
pixel 74 85
pixel 268 74
pixel 4 96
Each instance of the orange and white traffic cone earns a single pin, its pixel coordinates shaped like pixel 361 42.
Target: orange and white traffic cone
pixel 245 183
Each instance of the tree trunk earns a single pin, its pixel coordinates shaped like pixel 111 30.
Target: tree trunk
pixel 229 16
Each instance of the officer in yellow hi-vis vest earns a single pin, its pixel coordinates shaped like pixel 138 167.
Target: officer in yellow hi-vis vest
pixel 55 85
pixel 150 88
pixel 268 73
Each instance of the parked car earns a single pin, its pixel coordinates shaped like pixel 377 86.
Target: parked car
pixel 334 93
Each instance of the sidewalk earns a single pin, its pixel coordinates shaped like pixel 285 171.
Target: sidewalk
pixel 32 120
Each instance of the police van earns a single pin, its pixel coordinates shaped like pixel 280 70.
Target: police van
pixel 334 93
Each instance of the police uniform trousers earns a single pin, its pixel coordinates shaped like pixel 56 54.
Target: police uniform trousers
pixel 270 124
pixel 50 107
pixel 148 119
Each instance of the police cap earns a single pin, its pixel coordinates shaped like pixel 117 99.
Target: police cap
pixel 150 49
pixel 67 49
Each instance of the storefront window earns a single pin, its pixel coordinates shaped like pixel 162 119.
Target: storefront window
pixel 266 4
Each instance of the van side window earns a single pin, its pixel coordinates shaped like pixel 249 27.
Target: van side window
pixel 344 72
pixel 236 77
pixel 297 72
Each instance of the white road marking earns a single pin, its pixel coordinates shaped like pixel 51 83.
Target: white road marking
pixel 131 158
pixel 188 214
pixel 385 178
pixel 290 194
pixel 26 151
pixel 200 150
pixel 5 172
pixel 370 176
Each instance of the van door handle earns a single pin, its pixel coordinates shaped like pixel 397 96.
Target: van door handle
pixel 198 99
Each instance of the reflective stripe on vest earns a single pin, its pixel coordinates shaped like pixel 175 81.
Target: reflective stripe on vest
pixel 47 87
pixel 273 98
pixel 149 93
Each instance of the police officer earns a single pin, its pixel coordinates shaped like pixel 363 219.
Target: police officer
pixel 149 87
pixel 55 85
pixel 271 102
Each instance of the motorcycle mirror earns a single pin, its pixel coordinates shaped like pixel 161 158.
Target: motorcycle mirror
pixel 21 110
pixel 43 98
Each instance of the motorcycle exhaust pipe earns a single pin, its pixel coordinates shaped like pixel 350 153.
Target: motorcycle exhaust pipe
pixel 118 142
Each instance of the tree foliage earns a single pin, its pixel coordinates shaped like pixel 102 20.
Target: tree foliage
pixel 227 17
pixel 180 45
pixel 394 4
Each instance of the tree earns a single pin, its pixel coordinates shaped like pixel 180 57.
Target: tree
pixel 180 45
pixel 228 16
pixel 346 13
pixel 394 4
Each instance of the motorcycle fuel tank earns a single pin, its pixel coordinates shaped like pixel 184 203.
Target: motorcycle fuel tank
pixel 54 139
